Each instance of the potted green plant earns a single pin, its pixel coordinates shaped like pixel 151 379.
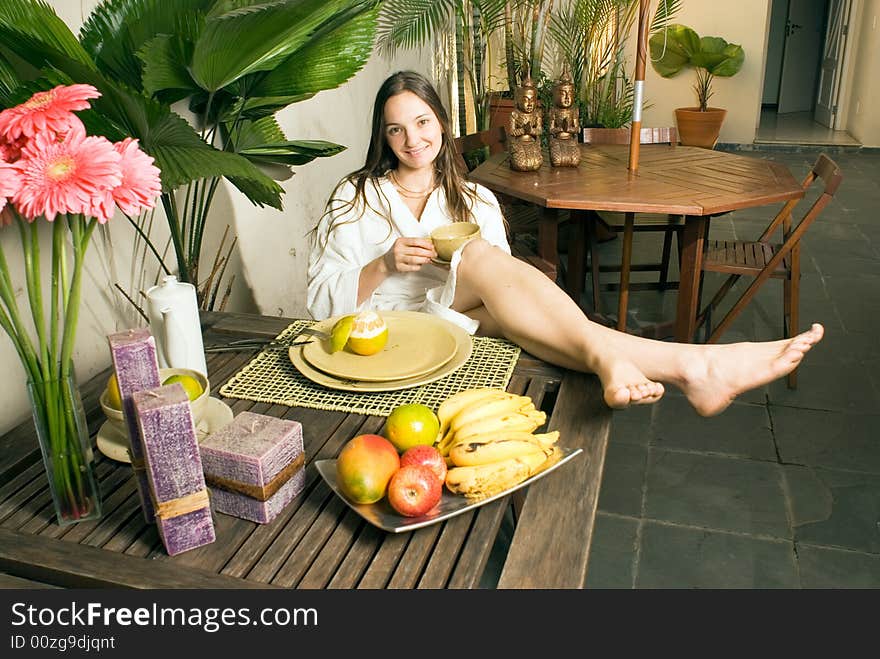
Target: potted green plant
pixel 678 47
pixel 234 64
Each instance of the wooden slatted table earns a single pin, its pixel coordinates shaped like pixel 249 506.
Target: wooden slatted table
pixel 317 541
pixel 679 180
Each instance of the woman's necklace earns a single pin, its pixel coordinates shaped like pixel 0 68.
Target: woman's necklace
pixel 412 194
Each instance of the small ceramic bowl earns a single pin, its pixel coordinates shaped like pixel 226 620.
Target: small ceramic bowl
pixel 450 237
pixel 117 419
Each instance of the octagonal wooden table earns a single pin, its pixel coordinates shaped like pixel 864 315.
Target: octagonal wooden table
pixel 690 181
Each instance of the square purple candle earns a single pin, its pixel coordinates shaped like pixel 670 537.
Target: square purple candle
pixel 254 466
pixel 137 368
pixel 174 468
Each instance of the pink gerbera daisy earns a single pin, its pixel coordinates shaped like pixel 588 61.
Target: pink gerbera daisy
pixel 10 183
pixel 46 111
pixel 66 176
pixel 10 150
pixel 140 179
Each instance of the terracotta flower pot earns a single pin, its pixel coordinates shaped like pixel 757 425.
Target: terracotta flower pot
pixel 696 128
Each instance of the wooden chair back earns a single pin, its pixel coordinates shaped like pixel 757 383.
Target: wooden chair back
pixel 494 138
pixel 762 259
pixel 623 135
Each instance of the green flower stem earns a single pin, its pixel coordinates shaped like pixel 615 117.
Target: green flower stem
pixel 19 334
pixel 35 289
pixel 71 308
pixel 58 249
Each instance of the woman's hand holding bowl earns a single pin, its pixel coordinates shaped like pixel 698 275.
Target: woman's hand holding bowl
pixel 409 254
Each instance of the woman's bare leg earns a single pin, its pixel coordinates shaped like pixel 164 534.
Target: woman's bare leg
pixel 535 313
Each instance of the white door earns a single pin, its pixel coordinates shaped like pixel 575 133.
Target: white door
pixel 800 61
pixel 832 62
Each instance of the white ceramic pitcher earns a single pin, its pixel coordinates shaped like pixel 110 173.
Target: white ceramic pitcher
pixel 174 322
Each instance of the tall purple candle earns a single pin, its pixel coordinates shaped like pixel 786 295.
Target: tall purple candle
pixel 174 468
pixel 137 368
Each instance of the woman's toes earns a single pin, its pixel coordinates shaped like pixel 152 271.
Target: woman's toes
pixel 618 397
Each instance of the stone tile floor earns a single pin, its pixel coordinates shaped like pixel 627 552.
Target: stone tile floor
pixel 782 490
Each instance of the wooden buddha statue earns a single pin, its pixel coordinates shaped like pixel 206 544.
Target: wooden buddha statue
pixel 524 129
pixel 564 124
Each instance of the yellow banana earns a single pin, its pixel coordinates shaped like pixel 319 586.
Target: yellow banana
pixel 457 402
pixel 481 481
pixel 486 409
pixel 524 421
pixel 470 453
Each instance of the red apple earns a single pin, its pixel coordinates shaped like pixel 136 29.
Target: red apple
pixel 414 490
pixel 428 456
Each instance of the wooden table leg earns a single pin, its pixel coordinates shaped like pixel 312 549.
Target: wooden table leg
pixel 548 236
pixel 693 238
pixel 625 263
pixel 577 255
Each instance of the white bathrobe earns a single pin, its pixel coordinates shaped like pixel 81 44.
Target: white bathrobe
pixel 334 271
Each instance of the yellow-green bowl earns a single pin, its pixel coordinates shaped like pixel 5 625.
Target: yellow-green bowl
pixel 116 417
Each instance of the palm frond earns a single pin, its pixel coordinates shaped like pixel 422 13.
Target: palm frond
pixel 410 23
pixel 9 82
pixel 165 73
pixel 258 39
pixel 328 60
pixel 665 13
pixel 34 26
pixel 117 29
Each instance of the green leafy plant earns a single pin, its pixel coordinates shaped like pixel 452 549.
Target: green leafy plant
pixel 590 37
pixel 677 47
pixel 234 63
pixel 526 26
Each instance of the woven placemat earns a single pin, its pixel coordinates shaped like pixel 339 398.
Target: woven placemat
pixel 272 378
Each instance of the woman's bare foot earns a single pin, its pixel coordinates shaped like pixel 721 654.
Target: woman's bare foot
pixel 716 374
pixel 625 384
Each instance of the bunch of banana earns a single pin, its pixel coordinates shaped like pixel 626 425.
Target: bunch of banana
pixel 481 481
pixel 480 411
pixel 488 439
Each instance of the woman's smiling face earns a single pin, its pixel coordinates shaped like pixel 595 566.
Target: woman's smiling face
pixel 412 130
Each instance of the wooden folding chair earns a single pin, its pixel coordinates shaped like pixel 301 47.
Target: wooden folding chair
pixel 628 224
pixel 471 150
pixel 763 259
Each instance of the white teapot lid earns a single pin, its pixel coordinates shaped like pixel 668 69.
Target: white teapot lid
pixel 169 291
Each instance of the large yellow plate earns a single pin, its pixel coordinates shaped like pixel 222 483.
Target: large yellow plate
pixel 418 343
pixel 463 349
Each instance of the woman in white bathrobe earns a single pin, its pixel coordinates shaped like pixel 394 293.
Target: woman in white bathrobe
pixel 371 249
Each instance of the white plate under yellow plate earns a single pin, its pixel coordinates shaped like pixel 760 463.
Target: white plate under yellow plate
pixel 114 443
pixel 418 343
pixel 463 348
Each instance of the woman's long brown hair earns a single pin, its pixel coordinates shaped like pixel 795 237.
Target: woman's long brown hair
pixel 460 197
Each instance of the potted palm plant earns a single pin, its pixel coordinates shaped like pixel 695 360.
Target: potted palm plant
pixel 233 65
pixel 678 47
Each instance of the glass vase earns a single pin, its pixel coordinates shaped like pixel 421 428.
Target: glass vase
pixel 63 436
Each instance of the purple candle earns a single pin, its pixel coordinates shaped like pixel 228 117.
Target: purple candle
pixel 254 465
pixel 137 368
pixel 174 468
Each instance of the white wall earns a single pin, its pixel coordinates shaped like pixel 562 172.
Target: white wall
pixel 271 263
pixel 744 22
pixel 864 87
